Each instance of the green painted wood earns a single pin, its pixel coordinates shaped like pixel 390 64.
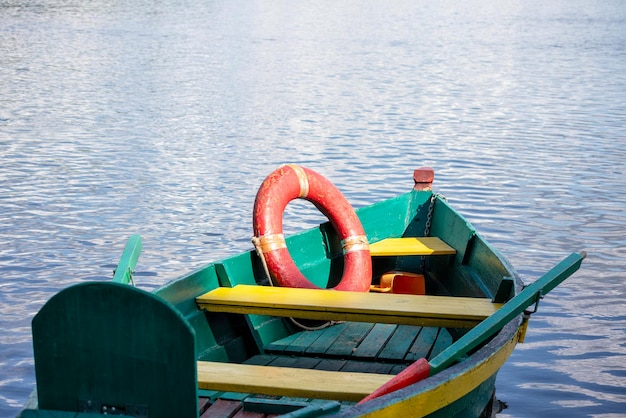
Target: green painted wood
pixel 375 340
pixel 115 345
pixel 399 214
pixel 443 341
pixel 273 406
pixel 333 365
pixel 246 269
pixel 302 342
pixel 400 342
pixel 234 396
pixel 281 345
pixel 349 339
pixel 397 368
pixel 296 362
pixel 422 344
pixel 326 339
pixel 124 271
pixel 367 367
pixel 505 291
pixel 260 359
pixel 509 310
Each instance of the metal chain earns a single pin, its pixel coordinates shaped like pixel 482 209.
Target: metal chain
pixel 429 219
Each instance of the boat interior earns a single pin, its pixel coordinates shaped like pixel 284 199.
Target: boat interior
pixel 256 354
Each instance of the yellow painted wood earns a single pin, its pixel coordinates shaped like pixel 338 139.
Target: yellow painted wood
pixel 410 246
pixel 450 390
pixel 287 381
pixel 424 310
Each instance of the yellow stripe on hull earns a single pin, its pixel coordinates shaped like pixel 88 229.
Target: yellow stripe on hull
pixel 448 391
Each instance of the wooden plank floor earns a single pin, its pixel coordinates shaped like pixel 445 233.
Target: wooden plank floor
pixel 350 347
pixel 365 341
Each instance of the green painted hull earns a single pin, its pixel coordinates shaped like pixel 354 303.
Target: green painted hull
pixel 105 345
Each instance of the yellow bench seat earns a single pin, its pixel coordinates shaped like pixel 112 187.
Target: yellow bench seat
pixel 411 246
pixel 422 310
pixel 288 381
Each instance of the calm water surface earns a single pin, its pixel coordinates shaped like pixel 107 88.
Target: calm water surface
pixel 162 118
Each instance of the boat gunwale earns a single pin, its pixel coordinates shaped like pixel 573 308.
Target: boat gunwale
pixel 389 402
pixel 386 404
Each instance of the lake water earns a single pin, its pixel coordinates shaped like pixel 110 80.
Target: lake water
pixel 163 117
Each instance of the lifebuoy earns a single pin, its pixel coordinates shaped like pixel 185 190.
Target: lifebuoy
pixel 290 182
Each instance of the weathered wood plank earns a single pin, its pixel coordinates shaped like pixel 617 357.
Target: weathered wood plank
pixel 295 362
pixel 443 341
pixel 326 339
pixel 400 342
pixel 367 367
pixel 302 342
pixel 349 339
pixel 333 365
pixel 422 310
pixel 282 344
pixel 423 344
pixel 374 341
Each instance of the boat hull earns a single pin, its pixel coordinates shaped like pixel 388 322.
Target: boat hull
pixel 80 371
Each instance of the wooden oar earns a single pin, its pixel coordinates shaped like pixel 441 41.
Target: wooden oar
pixel 422 368
pixel 124 271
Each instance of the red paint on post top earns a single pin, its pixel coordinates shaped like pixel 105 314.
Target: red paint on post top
pixel 423 177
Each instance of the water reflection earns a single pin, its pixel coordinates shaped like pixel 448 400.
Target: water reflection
pixel 163 119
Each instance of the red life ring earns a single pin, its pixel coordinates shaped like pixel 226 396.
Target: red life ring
pixel 290 182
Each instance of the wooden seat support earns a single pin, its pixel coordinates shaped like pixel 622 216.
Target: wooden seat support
pixel 440 311
pixel 288 381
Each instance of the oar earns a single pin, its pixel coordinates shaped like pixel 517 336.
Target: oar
pixel 124 271
pixel 422 368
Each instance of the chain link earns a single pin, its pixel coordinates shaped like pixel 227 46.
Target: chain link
pixel 429 219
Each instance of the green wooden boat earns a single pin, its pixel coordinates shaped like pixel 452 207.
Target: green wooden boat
pixel 443 313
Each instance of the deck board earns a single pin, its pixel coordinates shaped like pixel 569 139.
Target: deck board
pixel 333 365
pixel 359 366
pixel 352 334
pixel 302 342
pixel 423 344
pixel 375 340
pixel 327 337
pixel 443 341
pixel 400 342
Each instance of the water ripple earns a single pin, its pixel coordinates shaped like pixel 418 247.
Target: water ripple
pixel 164 118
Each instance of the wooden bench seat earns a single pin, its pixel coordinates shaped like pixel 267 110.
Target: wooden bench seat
pixel 288 381
pixel 423 310
pixel 411 246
